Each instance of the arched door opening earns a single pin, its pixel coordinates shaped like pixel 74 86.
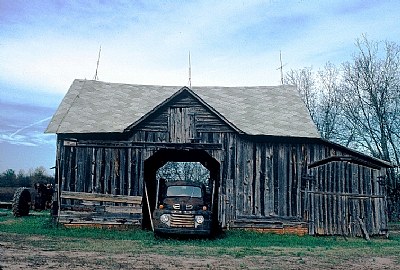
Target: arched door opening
pixel 164 158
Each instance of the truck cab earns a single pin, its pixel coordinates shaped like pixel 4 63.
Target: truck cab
pixel 184 208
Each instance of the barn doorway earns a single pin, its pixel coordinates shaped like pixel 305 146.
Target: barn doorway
pixel 161 158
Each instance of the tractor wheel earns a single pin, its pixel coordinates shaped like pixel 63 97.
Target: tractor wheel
pixel 21 202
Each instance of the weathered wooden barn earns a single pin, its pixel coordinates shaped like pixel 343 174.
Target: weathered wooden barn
pixel 265 156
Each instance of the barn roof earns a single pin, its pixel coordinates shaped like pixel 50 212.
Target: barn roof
pixel 102 107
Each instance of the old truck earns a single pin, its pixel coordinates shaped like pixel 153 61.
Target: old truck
pixel 183 208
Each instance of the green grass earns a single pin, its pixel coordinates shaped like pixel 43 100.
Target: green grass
pixel 233 243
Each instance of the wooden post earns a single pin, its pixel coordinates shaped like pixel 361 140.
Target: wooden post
pixel 157 192
pixel 57 188
pixel 363 228
pixel 148 206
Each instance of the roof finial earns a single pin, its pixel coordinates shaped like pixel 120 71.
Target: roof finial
pixel 97 67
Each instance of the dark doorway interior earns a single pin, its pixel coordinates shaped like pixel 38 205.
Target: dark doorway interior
pixel 159 159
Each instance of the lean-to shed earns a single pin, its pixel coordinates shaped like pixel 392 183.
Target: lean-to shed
pixel 272 170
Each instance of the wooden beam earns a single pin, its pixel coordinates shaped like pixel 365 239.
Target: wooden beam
pixel 350 159
pixel 363 229
pixel 101 197
pixel 350 195
pixel 123 144
pixel 6 205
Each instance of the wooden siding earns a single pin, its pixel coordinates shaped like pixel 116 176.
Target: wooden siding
pixel 257 180
pixel 343 196
pixel 181 125
pixel 194 113
pixel 267 179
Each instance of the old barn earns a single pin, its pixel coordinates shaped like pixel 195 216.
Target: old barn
pixel 271 169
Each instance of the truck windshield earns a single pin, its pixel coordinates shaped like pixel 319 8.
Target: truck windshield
pixel 184 191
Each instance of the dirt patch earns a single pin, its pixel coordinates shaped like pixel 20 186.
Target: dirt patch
pixel 8 222
pixel 22 252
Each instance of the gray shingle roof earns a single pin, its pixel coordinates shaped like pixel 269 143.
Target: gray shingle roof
pixel 97 107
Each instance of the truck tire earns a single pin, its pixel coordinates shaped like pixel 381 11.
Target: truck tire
pixel 21 202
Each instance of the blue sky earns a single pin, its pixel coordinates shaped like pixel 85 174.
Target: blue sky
pixel 45 45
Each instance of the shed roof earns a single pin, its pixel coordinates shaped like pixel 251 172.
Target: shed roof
pixel 102 107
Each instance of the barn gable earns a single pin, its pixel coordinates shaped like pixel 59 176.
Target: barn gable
pixel 184 113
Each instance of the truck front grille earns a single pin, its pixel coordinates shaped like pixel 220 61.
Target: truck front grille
pixel 182 221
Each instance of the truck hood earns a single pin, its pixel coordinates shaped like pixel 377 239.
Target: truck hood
pixel 184 203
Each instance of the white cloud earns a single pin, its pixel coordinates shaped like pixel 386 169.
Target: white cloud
pixel 45 45
pixel 28 135
pixel 231 42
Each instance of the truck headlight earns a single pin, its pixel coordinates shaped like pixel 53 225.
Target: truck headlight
pixel 199 219
pixel 164 218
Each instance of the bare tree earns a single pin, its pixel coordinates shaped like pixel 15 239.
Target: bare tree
pixel 371 85
pixel 328 103
pixel 371 106
pixel 359 105
pixel 304 80
pixel 319 92
pixel 184 171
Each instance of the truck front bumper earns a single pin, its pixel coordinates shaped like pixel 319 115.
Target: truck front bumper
pixel 182 223
pixel 182 231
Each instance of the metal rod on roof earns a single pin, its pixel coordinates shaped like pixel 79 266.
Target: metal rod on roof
pixel 281 66
pixel 190 73
pixel 280 59
pixel 97 66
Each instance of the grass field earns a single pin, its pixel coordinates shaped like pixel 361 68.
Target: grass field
pixel 240 249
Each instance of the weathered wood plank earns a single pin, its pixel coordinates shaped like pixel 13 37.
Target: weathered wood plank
pixel 289 180
pixel 262 178
pixel 101 197
pixel 107 171
pixel 282 179
pixel 269 182
pixel 240 172
pixel 255 185
pixel 232 174
pixel 295 192
pixel 247 188
pixel 350 195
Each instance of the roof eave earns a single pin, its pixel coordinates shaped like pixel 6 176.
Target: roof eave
pixel 383 163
